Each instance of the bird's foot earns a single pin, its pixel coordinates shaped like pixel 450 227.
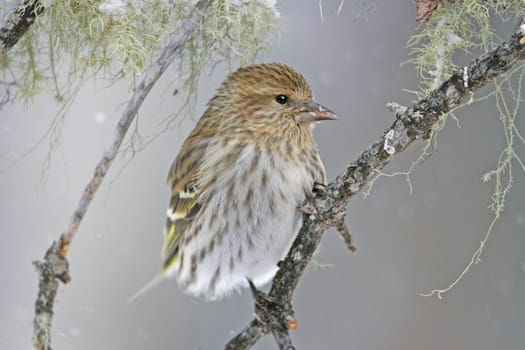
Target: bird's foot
pixel 319 188
pixel 308 207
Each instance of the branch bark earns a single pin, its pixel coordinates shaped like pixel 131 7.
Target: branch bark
pixel 54 268
pixel 328 207
pixel 16 20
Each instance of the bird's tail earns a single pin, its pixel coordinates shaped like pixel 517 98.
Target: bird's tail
pixel 148 286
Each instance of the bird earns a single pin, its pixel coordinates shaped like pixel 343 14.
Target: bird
pixel 239 180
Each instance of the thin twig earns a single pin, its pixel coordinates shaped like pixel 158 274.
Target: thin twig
pixel 55 267
pixel 328 208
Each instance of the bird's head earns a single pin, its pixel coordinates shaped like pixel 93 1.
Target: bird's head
pixel 270 97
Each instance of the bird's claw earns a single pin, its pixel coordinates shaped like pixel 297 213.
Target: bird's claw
pixel 307 208
pixel 319 188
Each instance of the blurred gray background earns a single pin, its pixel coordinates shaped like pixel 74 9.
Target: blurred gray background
pixel 407 244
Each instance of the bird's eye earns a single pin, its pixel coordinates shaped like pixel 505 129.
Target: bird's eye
pixel 281 99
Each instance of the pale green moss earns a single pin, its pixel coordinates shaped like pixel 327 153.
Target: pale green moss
pixel 462 27
pixel 100 39
pixel 457 27
pixel 507 93
pixel 73 41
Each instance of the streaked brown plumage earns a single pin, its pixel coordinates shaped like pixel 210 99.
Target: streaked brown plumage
pixel 238 180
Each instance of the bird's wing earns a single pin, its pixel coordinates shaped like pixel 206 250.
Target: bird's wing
pixel 183 180
pixel 185 190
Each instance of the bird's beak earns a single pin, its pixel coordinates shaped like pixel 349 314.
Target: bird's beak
pixel 314 112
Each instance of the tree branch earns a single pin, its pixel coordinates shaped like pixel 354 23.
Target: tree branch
pixel 54 268
pixel 328 207
pixel 15 21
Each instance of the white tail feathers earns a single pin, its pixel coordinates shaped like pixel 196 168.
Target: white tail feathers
pixel 148 286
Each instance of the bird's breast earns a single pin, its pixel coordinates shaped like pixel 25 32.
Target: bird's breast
pixel 248 217
pixel 259 173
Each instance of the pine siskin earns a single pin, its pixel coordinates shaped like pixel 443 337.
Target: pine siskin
pixel 239 179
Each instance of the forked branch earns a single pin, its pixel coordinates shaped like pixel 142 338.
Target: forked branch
pixel 54 268
pixel 328 208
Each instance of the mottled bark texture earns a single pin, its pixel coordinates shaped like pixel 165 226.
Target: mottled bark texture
pixel 328 207
pixel 54 268
pixel 425 9
pixel 15 21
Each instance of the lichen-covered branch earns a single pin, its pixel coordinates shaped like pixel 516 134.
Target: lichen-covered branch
pixel 328 207
pixel 54 268
pixel 15 21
